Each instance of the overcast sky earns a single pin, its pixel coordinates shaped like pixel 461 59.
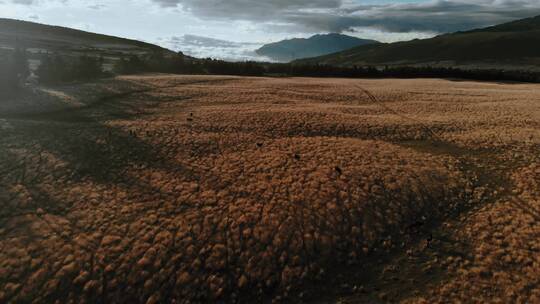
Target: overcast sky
pixel 232 29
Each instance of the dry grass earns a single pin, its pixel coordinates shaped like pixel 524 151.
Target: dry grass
pixel 194 189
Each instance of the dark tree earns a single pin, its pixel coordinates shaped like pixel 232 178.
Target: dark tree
pixel 87 68
pixel 57 69
pixel 133 65
pixel 53 69
pixel 20 62
pixel 14 71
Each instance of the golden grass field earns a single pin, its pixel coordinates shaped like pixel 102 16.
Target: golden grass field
pixel 185 189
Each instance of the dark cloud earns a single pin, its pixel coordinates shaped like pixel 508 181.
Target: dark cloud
pixel 97 6
pixel 311 16
pixel 248 8
pixel 337 15
pixel 32 2
pixel 447 16
pixel 24 2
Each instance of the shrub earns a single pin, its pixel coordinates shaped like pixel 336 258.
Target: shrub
pixel 87 68
pixel 133 65
pixel 13 71
pixel 8 81
pixel 56 69
pixel 52 69
pixel 158 63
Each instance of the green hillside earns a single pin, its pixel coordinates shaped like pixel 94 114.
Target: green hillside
pixel 40 37
pixel 514 43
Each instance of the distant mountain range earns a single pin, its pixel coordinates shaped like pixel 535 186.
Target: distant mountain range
pixel 292 49
pixel 40 37
pixel 507 45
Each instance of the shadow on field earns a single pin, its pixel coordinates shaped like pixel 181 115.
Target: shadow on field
pixel 77 144
pixel 391 277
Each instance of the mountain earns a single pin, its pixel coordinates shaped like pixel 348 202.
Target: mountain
pixel 288 50
pixel 40 37
pixel 507 45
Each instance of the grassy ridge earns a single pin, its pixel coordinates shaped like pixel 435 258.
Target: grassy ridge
pixel 511 43
pixel 35 35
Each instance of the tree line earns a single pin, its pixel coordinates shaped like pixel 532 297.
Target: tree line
pixel 179 64
pixel 53 69
pixel 56 68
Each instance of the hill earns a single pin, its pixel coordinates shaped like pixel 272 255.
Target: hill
pixel 38 38
pixel 288 50
pixel 511 44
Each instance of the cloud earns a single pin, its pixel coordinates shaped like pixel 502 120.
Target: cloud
pixel 97 6
pixel 248 8
pixel 266 21
pixel 314 16
pixel 438 16
pixel 204 47
pixel 34 2
pixel 442 16
pixel 24 2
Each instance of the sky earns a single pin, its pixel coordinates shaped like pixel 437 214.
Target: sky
pixel 233 29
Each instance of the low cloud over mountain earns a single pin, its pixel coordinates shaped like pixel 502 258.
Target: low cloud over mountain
pixel 203 47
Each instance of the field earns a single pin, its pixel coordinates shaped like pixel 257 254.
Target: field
pixel 187 189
